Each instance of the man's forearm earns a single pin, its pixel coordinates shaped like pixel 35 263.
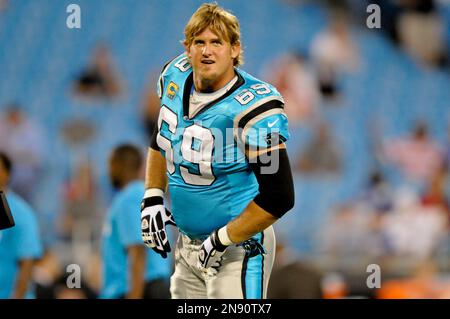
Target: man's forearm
pixel 136 257
pixel 276 197
pixel 155 173
pixel 251 221
pixel 23 278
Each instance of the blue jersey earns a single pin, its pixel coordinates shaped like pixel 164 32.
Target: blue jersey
pixel 17 243
pixel 121 230
pixel 210 180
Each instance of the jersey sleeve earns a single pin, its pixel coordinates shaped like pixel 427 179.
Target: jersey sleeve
pixel 263 126
pixel 178 64
pixel 160 83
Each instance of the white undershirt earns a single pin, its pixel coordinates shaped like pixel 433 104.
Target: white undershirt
pixel 198 100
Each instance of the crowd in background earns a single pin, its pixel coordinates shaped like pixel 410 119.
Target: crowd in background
pixel 403 226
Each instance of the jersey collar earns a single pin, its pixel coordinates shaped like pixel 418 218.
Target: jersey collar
pixel 187 91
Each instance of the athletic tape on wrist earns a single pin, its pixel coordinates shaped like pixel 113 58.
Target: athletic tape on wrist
pixel 153 192
pixel 223 236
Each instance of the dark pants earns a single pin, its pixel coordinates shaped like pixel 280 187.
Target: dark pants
pixel 155 289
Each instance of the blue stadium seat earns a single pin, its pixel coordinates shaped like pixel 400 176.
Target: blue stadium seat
pixel 41 58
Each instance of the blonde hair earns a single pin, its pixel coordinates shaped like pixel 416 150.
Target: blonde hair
pixel 220 21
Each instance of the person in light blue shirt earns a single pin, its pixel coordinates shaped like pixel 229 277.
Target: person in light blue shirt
pixel 20 245
pixel 129 269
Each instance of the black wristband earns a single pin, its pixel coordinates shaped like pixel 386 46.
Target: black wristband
pixel 216 241
pixel 151 201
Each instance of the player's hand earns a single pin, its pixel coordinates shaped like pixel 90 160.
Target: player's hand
pixel 210 254
pixel 154 218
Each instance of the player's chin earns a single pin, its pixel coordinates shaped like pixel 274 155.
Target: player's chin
pixel 207 71
pixel 208 77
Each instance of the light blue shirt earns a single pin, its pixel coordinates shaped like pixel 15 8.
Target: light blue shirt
pixel 122 229
pixel 17 243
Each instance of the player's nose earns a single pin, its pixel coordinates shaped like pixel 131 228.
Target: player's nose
pixel 206 51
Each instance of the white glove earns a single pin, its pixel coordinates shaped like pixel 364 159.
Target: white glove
pixel 211 252
pixel 154 218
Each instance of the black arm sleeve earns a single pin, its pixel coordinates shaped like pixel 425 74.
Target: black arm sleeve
pixel 276 186
pixel 153 143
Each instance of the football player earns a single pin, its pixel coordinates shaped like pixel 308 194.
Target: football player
pixel 219 150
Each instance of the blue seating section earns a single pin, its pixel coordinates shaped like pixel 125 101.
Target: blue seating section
pixel 40 56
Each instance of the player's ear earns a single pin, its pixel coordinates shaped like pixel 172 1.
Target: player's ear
pixel 235 50
pixel 187 49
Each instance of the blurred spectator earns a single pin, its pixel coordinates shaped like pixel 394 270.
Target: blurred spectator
pixel 23 140
pixel 3 5
pixel 78 132
pixel 410 231
pixel 378 194
pixel 447 152
pixel 321 154
pixel 424 283
pixel 62 291
pixel 417 156
pixel 151 106
pixel 421 31
pixel 46 272
pixel 93 269
pixel 345 234
pixel 292 278
pixel 20 245
pixel 81 202
pixel 389 17
pixel 295 81
pixel 51 280
pixel 334 286
pixel 130 270
pixel 434 194
pixel 100 78
pixel 410 222
pixel 333 51
pixel 82 212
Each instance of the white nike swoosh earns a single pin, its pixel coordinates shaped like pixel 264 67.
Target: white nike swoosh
pixel 273 123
